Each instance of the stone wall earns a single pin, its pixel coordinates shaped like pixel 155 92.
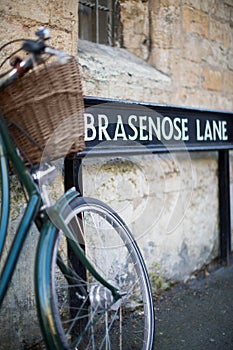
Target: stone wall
pixel 175 52
pixel 189 41
pixel 169 201
pixel 182 55
pixel 20 19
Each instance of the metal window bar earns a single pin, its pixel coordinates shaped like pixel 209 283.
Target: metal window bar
pixel 108 7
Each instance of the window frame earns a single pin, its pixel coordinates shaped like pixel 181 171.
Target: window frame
pixel 99 21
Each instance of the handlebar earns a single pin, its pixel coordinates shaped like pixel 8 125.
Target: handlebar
pixel 36 48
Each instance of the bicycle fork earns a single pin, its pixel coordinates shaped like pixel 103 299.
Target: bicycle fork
pixel 55 215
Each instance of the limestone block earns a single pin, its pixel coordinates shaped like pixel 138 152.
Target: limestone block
pixel 205 98
pixel 220 32
pixel 195 21
pixel 20 19
pixel 229 56
pixel 63 13
pixel 161 59
pixel 214 54
pixel 34 10
pixel 228 82
pixel 166 21
pixel 135 27
pixel 198 4
pixel 190 73
pixel 192 49
pixel 212 79
pixel 222 10
pixel 228 2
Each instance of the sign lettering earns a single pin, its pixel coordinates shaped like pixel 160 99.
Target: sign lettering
pixel 156 127
pixel 144 128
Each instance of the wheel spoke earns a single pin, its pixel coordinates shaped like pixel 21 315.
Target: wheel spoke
pixel 85 312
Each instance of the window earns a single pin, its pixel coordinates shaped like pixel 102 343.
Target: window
pixel 99 21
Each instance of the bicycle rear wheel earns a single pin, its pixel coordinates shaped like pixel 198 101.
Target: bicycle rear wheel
pixel 84 311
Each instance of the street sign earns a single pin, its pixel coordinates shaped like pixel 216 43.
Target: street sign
pixel 129 127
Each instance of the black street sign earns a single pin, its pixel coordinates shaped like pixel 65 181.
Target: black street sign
pixel 129 127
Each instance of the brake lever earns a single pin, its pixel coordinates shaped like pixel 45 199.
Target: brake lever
pixel 33 46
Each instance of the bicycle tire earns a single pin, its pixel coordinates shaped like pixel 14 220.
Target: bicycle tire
pixel 83 310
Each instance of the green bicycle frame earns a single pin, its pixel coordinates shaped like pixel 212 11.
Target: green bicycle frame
pixel 7 149
pixel 47 224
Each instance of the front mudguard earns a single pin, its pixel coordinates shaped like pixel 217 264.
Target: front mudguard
pixel 42 274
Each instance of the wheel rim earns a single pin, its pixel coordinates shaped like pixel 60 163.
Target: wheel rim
pixel 102 323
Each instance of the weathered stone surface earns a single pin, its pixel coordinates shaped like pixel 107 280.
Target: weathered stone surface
pixel 228 82
pixel 196 31
pixel 195 21
pixel 127 80
pixel 212 80
pixel 20 19
pixel 170 200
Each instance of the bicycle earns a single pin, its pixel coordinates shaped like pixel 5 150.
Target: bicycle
pixel 91 284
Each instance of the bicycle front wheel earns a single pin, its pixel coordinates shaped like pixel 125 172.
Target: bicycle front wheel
pixel 84 310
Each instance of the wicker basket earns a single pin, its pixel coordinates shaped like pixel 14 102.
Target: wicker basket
pixel 44 111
